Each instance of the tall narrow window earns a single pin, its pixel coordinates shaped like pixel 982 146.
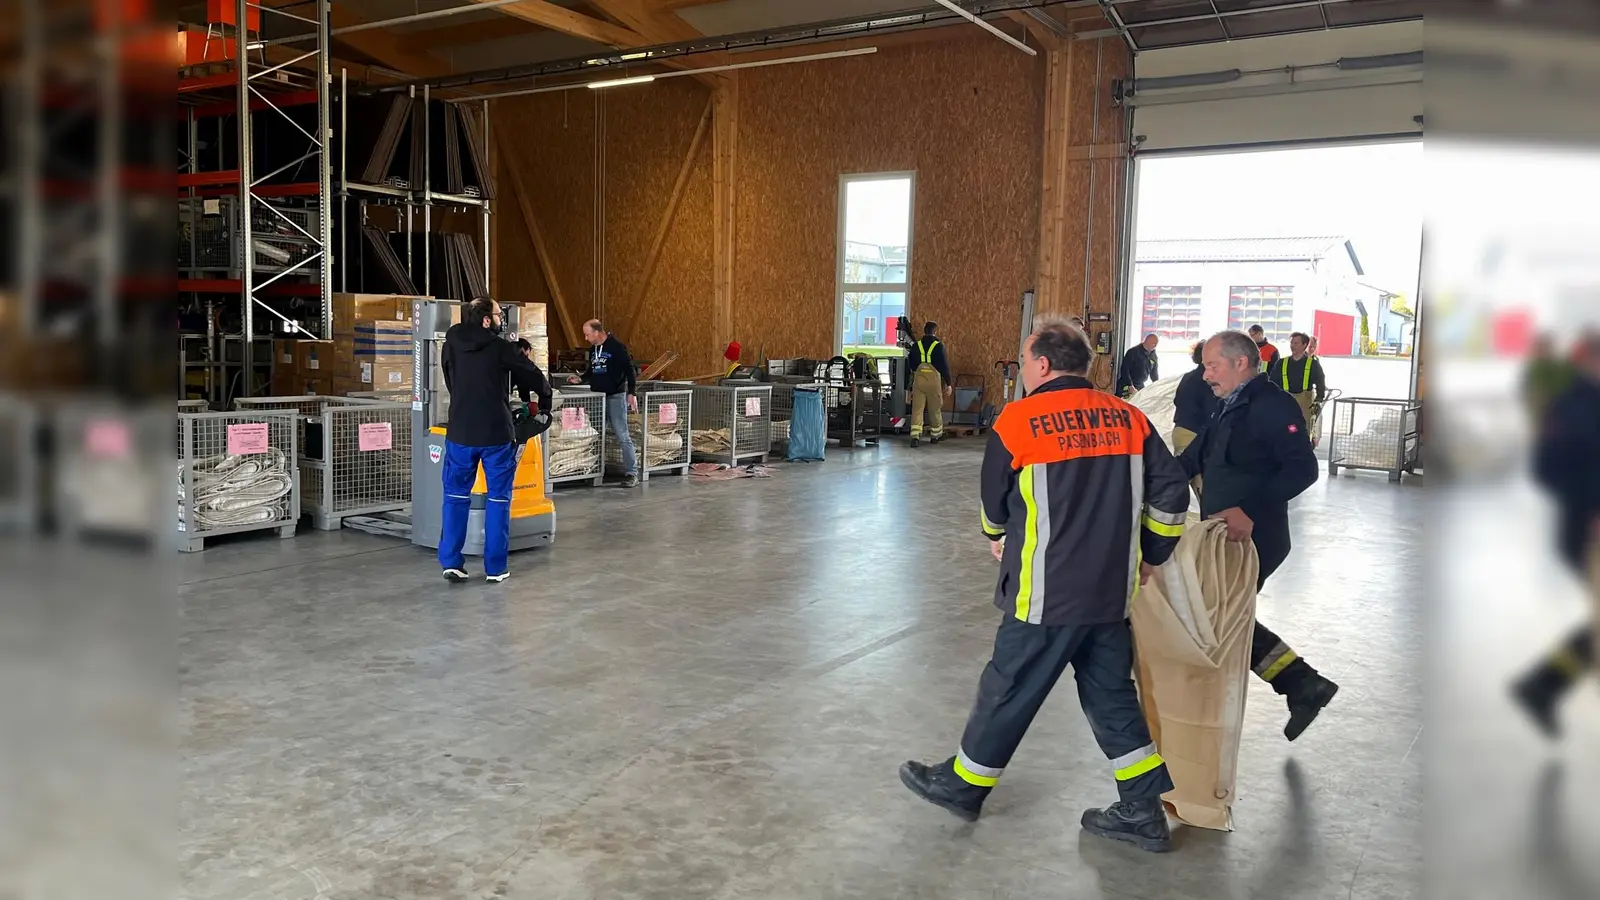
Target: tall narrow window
pixel 874 259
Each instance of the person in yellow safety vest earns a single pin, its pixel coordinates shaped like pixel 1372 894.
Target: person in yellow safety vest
pixel 931 384
pixel 1301 375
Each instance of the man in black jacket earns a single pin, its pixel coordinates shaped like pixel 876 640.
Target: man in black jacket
pixel 611 373
pixel 930 384
pixel 1301 375
pixel 1074 484
pixel 479 369
pixel 1139 367
pixel 1564 462
pixel 1254 456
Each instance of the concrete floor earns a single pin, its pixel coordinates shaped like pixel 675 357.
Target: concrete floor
pixel 704 690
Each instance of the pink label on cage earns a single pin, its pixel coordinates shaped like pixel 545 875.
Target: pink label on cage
pixel 752 407
pixel 107 439
pixel 247 438
pixel 669 414
pixel 375 436
pixel 574 418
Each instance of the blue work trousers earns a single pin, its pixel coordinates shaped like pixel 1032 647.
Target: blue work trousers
pixel 460 472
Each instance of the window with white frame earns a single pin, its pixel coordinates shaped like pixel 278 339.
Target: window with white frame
pixel 1270 306
pixel 874 257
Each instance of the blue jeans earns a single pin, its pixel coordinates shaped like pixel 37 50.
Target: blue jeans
pixel 617 425
pixel 460 471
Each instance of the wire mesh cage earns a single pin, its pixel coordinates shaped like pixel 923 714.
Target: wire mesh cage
pixel 782 415
pixel 732 424
pixel 192 406
pixel 575 444
pixel 209 236
pixel 110 470
pixel 354 454
pixel 236 473
pixel 1374 434
pixel 19 463
pixel 663 446
pixel 391 396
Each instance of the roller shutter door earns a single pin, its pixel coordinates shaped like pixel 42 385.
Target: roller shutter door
pixel 1343 84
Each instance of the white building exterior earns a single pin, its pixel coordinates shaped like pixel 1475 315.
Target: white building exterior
pixel 1184 290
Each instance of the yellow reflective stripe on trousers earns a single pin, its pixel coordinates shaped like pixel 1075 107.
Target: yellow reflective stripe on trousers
pixel 1035 528
pixel 973 778
pixel 1276 661
pixel 1131 765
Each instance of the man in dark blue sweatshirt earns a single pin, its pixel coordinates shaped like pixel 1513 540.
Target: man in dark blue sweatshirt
pixel 479 368
pixel 611 373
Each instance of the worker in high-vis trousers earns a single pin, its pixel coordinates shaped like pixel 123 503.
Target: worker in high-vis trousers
pixel 1301 375
pixel 929 386
pixel 1081 500
pixel 1564 463
pixel 1253 458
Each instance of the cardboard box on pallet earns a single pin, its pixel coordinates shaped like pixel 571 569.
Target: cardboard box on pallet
pixel 350 309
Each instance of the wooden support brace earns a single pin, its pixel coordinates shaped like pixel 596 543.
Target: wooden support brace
pixel 725 121
pixel 569 323
pixel 654 256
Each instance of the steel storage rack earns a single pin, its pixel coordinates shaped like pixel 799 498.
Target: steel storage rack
pixel 662 446
pixel 732 423
pixel 1374 434
pixel 236 473
pixel 574 447
pixel 354 454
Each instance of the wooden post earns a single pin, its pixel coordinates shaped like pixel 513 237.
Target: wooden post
pixel 725 120
pixel 1054 208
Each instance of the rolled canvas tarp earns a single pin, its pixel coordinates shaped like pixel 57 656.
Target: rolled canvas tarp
pixel 1192 626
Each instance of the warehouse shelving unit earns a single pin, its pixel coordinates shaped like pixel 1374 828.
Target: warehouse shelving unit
pixel 275 239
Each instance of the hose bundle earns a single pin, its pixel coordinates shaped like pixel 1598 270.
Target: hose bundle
pixel 573 451
pixel 230 491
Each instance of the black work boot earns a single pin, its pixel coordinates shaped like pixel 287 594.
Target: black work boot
pixel 936 439
pixel 1142 823
pixel 1309 696
pixel 941 786
pixel 915 442
pixel 1539 693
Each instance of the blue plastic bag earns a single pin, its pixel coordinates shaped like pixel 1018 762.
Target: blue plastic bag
pixel 808 430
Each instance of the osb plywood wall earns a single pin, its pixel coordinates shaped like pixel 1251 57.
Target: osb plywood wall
pixel 645 136
pixel 965 115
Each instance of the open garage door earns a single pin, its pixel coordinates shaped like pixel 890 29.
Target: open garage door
pixel 1339 84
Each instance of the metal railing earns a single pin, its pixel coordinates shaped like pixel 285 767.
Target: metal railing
pixel 1373 434
pixel 354 454
pixel 732 424
pixel 236 473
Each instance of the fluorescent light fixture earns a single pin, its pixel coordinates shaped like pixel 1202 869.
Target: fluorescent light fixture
pixel 619 82
pixel 675 73
pixel 642 54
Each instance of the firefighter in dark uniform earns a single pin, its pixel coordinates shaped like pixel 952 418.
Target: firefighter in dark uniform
pixel 1267 351
pixel 1564 463
pixel 1301 375
pixel 1254 456
pixel 1081 499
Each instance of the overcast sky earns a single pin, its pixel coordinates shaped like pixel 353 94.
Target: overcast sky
pixel 1371 194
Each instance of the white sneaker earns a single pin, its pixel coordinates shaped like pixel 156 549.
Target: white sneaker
pixel 455 576
pixel 496 579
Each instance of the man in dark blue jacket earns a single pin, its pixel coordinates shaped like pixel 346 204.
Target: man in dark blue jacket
pixel 1194 403
pixel 1254 456
pixel 1567 463
pixel 611 373
pixel 479 369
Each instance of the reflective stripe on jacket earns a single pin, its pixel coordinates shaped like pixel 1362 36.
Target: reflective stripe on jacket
pixel 1082 488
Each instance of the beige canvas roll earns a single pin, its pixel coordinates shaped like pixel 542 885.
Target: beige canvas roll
pixel 1192 625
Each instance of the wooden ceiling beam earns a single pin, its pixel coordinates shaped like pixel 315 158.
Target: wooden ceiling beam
pixel 566 21
pixel 467 33
pixel 672 6
pixel 655 26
